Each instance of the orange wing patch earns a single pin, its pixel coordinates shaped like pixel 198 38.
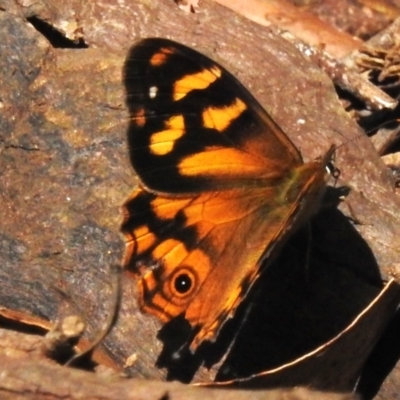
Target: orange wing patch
pixel 162 142
pixel 161 56
pixel 139 118
pixel 200 80
pixel 222 162
pixel 220 118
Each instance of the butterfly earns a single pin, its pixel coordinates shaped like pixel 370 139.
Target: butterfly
pixel 221 186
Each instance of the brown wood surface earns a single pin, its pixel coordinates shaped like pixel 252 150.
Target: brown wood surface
pixel 64 173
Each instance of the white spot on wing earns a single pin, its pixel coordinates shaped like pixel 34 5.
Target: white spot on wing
pixel 153 92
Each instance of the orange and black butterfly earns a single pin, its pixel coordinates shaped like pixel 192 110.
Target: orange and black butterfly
pixel 221 186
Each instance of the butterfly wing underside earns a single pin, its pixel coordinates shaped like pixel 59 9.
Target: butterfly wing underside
pixel 221 186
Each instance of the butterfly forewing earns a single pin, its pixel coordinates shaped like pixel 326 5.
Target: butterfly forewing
pixel 193 125
pixel 222 186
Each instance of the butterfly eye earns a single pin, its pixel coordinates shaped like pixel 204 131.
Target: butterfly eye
pixel 183 282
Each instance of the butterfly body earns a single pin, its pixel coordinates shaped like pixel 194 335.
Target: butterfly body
pixel 221 188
